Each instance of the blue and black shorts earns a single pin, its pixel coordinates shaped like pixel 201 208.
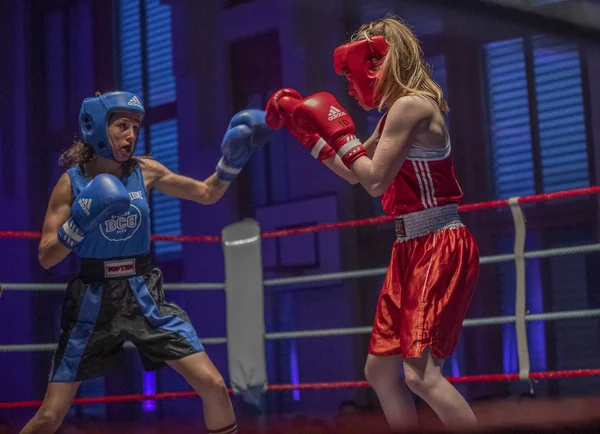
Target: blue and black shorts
pixel 98 317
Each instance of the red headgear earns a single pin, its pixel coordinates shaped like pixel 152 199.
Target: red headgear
pixel 358 61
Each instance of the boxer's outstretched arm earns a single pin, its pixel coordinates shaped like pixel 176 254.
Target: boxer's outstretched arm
pixel 204 192
pixel 51 251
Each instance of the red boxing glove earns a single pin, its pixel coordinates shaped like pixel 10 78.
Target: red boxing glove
pixel 278 113
pixel 322 113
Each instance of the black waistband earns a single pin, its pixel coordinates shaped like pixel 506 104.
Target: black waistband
pixel 115 268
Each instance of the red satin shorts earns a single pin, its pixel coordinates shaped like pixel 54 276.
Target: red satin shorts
pixel 426 293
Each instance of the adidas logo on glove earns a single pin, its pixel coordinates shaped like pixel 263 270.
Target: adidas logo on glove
pixel 335 113
pixel 85 205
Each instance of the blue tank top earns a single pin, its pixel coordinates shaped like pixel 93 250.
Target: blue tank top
pixel 120 235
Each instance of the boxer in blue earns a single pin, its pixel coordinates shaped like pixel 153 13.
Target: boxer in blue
pixel 99 210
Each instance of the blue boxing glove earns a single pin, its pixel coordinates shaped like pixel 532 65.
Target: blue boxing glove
pixel 247 130
pixel 105 195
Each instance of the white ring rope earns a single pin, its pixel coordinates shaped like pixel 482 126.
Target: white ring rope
pixel 52 347
pixel 472 322
pixel 369 272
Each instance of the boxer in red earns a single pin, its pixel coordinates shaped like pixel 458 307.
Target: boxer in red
pixel 434 266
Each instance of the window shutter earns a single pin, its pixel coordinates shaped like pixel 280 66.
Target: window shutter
pixel 509 118
pixel 561 116
pixel 161 81
pixel 131 46
pixel 166 210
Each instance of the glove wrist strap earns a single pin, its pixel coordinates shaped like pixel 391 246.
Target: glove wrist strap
pixel 225 172
pixel 69 234
pixel 317 147
pixel 349 149
pixel 321 150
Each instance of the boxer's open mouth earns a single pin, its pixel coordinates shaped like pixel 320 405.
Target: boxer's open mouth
pixel 127 148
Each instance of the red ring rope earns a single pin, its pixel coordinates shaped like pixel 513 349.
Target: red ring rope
pixel 174 238
pixel 346 224
pixel 461 208
pixel 313 386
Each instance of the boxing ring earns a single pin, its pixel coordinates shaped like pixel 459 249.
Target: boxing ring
pixel 519 318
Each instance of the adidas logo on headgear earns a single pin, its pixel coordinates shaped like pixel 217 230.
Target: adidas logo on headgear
pixel 135 101
pixel 335 113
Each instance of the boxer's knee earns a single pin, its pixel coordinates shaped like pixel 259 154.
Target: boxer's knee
pixel 47 420
pixel 423 374
pixel 382 370
pixel 51 417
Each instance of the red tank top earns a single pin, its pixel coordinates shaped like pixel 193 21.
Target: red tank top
pixel 425 180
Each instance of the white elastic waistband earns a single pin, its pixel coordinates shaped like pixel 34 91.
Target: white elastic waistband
pixel 420 223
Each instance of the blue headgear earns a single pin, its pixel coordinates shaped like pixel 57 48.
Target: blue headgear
pixel 94 115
